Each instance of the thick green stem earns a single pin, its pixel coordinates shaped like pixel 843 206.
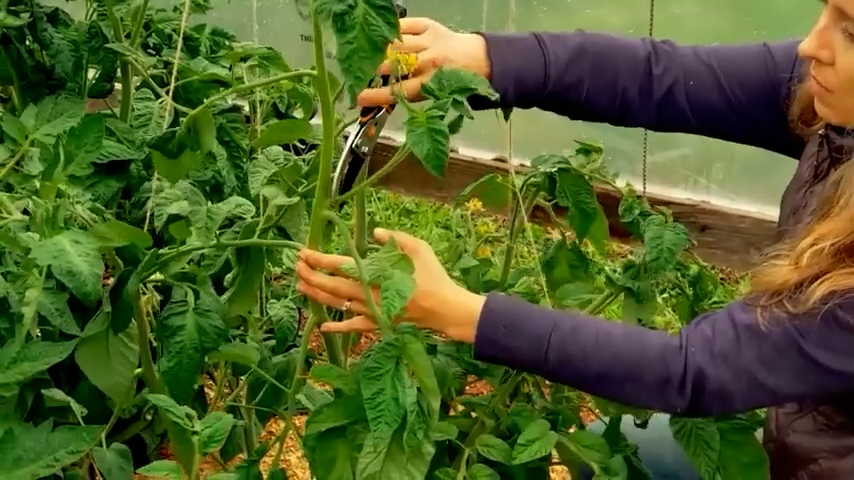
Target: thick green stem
pixel 324 175
pixel 127 91
pixel 149 374
pixel 139 20
pixel 517 222
pixel 124 66
pixel 398 157
pixel 384 323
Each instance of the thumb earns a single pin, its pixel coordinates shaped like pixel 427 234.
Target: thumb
pixel 407 243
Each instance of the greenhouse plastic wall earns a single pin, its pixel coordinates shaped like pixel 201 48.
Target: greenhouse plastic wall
pixel 678 165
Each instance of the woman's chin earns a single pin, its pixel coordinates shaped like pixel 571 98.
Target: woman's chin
pixel 834 116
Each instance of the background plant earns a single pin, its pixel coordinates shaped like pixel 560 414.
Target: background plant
pixel 158 175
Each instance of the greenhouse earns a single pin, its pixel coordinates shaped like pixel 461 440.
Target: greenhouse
pixel 572 240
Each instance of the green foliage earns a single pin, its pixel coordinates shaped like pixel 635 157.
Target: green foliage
pixel 147 266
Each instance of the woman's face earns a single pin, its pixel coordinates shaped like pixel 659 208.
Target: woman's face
pixel 829 51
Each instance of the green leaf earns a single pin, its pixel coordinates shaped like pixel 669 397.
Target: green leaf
pixel 176 169
pixel 428 136
pixel 741 454
pixel 421 368
pixel 445 431
pixel 536 441
pixel 494 449
pixel 114 233
pixel 36 452
pixel 109 360
pixel 701 441
pixel 337 413
pixel 589 447
pixel 565 263
pixel 166 469
pixel 380 383
pixel 200 130
pixel 53 305
pixel 32 359
pixel 189 329
pixel 115 462
pixel 283 132
pixel 585 215
pixel 74 259
pixel 335 376
pixel 479 471
pixel 183 427
pixel 492 190
pixel 59 396
pixel 363 29
pixel 457 83
pixel 396 290
pixel 235 352
pixel 214 429
pixel 84 143
pixel 55 116
pixel 284 316
pixel 663 243
pixel 251 264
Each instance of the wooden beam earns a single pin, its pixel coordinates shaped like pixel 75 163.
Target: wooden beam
pixel 725 237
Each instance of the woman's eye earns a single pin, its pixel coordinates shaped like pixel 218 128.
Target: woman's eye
pixel 848 33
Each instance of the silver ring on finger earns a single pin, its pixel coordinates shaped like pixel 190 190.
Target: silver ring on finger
pixel 346 307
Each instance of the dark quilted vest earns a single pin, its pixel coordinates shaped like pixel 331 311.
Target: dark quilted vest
pixel 812 441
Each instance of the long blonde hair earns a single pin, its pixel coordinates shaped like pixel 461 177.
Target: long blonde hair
pixel 815 265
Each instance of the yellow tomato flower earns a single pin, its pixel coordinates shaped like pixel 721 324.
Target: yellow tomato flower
pixel 474 205
pixel 483 251
pixel 404 62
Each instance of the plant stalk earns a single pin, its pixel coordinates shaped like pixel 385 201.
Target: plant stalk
pixel 324 176
pixel 149 374
pixel 517 221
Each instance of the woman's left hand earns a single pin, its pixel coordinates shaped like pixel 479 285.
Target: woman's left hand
pixel 437 302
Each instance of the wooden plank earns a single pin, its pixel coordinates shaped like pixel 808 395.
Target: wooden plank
pixel 726 237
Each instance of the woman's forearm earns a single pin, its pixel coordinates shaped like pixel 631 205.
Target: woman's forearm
pixel 736 93
pixel 722 363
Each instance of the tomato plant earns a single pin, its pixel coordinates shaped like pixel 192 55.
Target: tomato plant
pixel 149 319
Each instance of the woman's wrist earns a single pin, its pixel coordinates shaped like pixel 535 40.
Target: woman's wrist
pixel 462 314
pixel 480 61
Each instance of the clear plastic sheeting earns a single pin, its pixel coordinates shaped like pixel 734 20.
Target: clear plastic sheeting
pixel 679 165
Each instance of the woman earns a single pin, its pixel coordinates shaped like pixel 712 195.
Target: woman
pixel 789 345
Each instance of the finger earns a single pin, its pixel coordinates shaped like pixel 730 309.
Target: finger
pixel 374 97
pixel 360 324
pixel 407 243
pixel 410 44
pixel 337 286
pixel 415 25
pixel 325 298
pixel 323 261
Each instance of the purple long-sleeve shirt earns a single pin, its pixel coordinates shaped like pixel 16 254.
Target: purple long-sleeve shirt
pixel 725 361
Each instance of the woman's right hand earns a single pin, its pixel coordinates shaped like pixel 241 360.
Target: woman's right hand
pixel 435 45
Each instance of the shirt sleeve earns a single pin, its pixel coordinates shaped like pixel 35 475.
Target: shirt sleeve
pixel 724 362
pixel 736 93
